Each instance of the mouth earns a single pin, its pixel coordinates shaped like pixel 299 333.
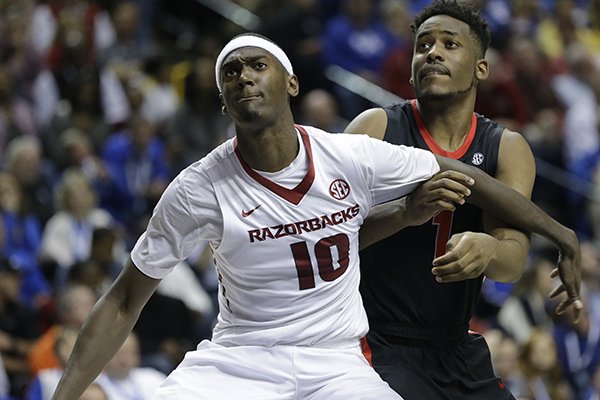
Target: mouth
pixel 433 71
pixel 247 98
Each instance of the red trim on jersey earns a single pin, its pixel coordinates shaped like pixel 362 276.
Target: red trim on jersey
pixel 366 350
pixel 433 146
pixel 296 194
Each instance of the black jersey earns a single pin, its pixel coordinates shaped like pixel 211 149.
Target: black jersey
pixel 399 291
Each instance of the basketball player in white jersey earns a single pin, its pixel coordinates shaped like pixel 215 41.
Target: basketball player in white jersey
pixel 281 206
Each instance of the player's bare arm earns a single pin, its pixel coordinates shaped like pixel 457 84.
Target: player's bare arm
pixel 443 191
pixel 372 122
pixel 105 330
pixel 501 252
pixel 509 205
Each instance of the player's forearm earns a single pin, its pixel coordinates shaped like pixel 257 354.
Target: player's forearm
pixel 101 336
pixel 105 330
pixel 383 221
pixel 509 261
pixel 510 206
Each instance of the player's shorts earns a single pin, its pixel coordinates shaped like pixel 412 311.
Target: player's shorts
pixel 274 373
pixel 461 369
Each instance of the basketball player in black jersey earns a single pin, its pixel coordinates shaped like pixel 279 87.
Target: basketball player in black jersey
pixel 421 285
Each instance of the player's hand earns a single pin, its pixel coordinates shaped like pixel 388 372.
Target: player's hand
pixel 467 256
pixel 443 191
pixel 569 272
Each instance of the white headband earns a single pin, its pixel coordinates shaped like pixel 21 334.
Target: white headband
pixel 251 41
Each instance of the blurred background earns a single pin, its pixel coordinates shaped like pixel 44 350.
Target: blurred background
pixel 102 103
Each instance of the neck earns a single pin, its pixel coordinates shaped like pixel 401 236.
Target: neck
pixel 270 148
pixel 448 121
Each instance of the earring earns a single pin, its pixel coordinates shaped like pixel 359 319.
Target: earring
pixel 223 110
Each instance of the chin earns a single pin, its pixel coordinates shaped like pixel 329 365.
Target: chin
pixel 249 115
pixel 429 96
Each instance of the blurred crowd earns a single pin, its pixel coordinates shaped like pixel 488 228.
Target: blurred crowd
pixel 103 102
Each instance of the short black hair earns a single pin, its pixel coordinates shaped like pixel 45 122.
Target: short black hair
pixel 461 11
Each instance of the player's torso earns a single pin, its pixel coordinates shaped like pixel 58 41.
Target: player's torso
pixel 287 261
pixel 398 288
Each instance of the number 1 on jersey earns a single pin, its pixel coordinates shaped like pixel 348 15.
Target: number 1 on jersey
pixel 443 220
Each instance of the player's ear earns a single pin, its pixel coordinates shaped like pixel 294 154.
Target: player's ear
pixel 411 81
pixel 293 86
pixel 482 69
pixel 223 108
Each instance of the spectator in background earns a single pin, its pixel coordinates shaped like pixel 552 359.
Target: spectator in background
pixel 91 23
pixel 78 29
pixel 137 173
pixel 24 160
pixel 504 352
pixel 593 392
pixel 298 24
pixel 43 383
pixel 578 347
pixel 320 108
pixel 77 151
pixel 102 266
pixel 17 53
pixel 538 363
pixel 81 108
pixel 564 26
pixel 128 53
pixel 197 125
pixel 166 329
pixel 395 69
pixel 4 383
pixel 528 306
pixel 358 41
pixel 590 273
pixel 18 328
pixel 525 17
pixel 160 98
pixel 498 15
pixel 67 236
pixel 499 97
pixel 580 90
pixel 124 379
pixel 21 243
pixel 395 74
pixel 72 305
pixel 16 113
pixel 592 205
pixel 533 73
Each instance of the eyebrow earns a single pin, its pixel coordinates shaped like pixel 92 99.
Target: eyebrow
pixel 444 31
pixel 248 59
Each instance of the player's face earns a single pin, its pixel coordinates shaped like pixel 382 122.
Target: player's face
pixel 255 86
pixel 446 61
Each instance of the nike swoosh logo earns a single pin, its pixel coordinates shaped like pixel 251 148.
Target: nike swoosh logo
pixel 247 213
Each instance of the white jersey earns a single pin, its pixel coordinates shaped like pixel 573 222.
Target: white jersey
pixel 285 244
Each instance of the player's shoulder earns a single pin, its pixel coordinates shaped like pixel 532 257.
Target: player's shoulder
pixel 372 122
pixel 338 140
pixel 214 159
pixel 201 172
pixel 514 144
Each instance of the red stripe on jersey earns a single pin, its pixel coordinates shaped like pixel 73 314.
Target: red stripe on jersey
pixel 433 146
pixel 296 194
pixel 366 350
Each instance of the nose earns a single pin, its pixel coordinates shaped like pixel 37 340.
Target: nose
pixel 246 77
pixel 435 53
